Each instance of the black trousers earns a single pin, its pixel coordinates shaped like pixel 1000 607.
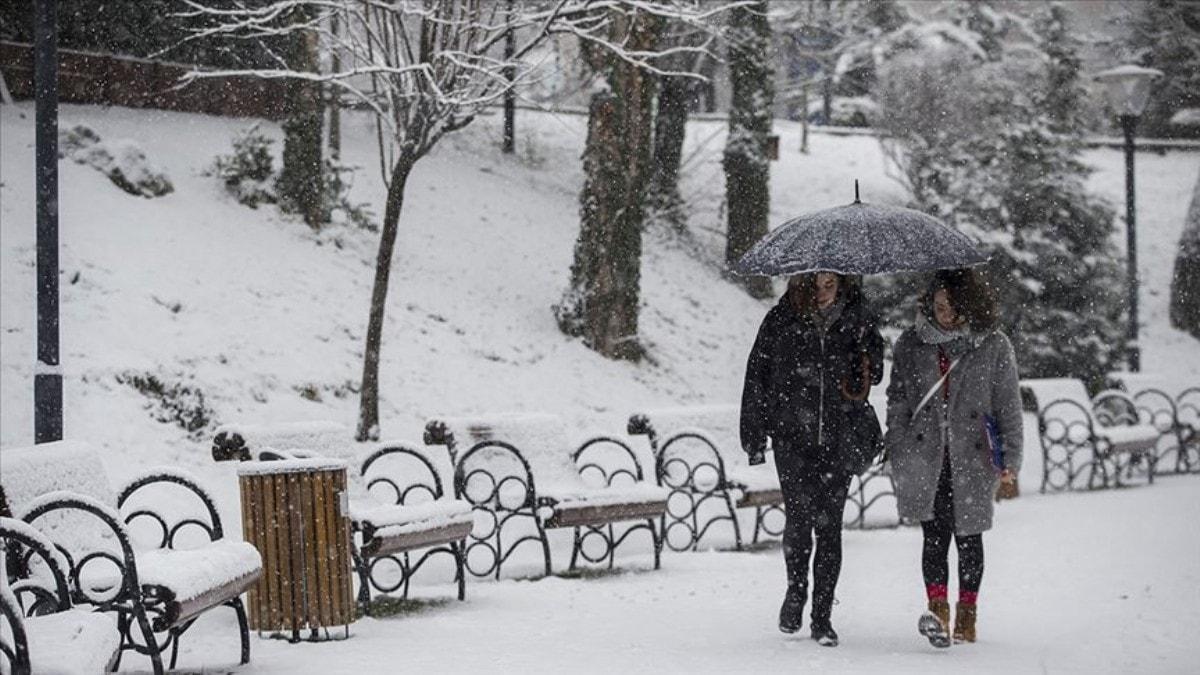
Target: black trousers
pixel 814 497
pixel 935 553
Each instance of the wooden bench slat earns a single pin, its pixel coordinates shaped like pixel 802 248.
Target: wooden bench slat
pixel 570 515
pixel 446 534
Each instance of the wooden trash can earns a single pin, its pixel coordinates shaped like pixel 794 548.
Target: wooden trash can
pixel 296 513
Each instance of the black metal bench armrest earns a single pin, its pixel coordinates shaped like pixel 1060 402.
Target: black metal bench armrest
pixel 129 592
pixel 14 645
pixel 21 543
pixel 172 476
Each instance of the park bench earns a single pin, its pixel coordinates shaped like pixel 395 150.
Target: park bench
pixel 1176 417
pixel 517 469
pixel 43 632
pixel 1101 437
pixel 400 514
pixel 160 588
pixel 694 459
pixel 698 455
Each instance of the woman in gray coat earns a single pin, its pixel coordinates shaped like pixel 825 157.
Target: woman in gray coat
pixel 953 435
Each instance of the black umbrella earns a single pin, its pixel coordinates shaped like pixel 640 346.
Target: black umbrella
pixel 860 239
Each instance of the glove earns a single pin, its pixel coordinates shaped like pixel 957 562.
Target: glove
pixel 756 457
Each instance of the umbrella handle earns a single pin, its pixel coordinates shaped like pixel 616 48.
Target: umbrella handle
pixel 864 385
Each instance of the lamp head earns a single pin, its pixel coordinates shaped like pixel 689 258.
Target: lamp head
pixel 1128 87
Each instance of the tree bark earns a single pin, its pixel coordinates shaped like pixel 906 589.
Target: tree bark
pixel 368 412
pixel 335 107
pixel 601 303
pixel 510 96
pixel 1185 283
pixel 747 169
pixel 670 126
pixel 300 185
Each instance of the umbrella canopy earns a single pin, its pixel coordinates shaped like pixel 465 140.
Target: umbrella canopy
pixel 860 239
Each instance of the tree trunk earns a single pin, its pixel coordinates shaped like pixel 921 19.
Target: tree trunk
pixel 670 125
pixel 747 169
pixel 368 412
pixel 510 95
pixel 335 107
pixel 601 303
pixel 1185 284
pixel 300 185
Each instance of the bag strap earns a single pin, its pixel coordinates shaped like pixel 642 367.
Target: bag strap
pixel 932 390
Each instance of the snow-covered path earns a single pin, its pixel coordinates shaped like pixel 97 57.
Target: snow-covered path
pixel 1097 582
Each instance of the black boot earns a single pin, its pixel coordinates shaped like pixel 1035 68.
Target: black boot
pixel 824 634
pixel 791 614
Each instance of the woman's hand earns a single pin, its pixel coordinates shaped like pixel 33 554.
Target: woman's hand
pixel 1008 477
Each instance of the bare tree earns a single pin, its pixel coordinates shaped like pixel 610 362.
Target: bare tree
pixel 425 68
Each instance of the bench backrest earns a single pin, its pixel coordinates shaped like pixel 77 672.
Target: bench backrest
pixel 542 440
pixel 504 461
pixel 245 441
pixel 391 473
pixel 30 472
pixel 1050 389
pixel 721 423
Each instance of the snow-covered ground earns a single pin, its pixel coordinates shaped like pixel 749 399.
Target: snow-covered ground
pixel 1087 583
pixel 263 317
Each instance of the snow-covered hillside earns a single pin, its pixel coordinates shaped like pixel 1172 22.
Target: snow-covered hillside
pixel 266 320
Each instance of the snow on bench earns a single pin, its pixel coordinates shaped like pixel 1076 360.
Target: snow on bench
pixel 61 488
pixel 61 638
pixel 1102 436
pixel 401 528
pixel 396 499
pixel 1171 405
pixel 524 465
pixel 318 437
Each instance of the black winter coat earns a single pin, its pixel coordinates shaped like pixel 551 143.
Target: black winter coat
pixel 793 387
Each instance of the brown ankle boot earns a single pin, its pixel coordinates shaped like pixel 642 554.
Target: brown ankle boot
pixel 935 624
pixel 941 609
pixel 964 622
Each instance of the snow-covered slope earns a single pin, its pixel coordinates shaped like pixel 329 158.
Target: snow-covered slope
pixel 262 316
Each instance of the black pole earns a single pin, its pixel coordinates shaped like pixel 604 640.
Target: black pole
pixel 1128 124
pixel 47 378
pixel 510 97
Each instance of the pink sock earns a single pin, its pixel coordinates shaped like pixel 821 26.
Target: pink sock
pixel 936 591
pixel 968 597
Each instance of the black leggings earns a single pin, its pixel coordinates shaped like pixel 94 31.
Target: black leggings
pixel 936 551
pixel 814 497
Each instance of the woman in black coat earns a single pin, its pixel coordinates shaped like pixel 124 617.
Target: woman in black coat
pixel 812 364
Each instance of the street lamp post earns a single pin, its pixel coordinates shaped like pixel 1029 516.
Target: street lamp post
pixel 1128 89
pixel 47 377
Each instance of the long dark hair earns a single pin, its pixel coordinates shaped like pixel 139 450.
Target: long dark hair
pixel 802 291
pixel 969 294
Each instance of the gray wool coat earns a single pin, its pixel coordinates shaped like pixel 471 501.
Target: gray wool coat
pixel 983 383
